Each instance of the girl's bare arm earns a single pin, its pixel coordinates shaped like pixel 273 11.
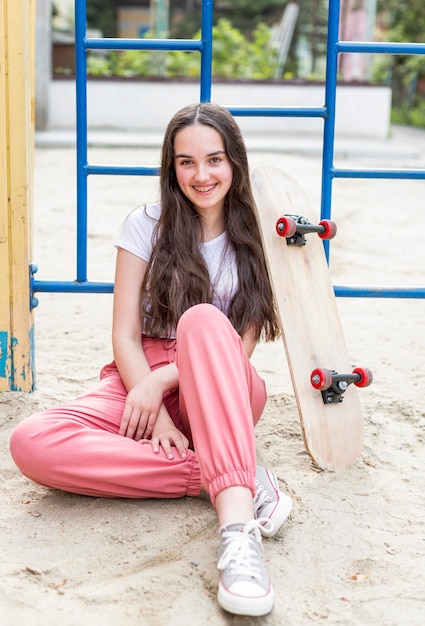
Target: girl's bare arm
pixel 145 388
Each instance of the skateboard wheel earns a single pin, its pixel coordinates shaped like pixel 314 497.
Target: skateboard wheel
pixel 366 376
pixel 321 378
pixel 286 226
pixel 330 229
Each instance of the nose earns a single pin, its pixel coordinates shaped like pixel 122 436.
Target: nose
pixel 201 173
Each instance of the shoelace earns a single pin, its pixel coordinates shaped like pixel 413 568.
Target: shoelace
pixel 262 497
pixel 241 555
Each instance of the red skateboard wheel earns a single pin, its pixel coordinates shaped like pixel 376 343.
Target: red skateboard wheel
pixel 366 376
pixel 286 226
pixel 321 378
pixel 330 229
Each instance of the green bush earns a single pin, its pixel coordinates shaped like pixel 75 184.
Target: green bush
pixel 234 56
pixel 414 116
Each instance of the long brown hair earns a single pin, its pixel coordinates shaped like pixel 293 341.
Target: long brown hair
pixel 177 276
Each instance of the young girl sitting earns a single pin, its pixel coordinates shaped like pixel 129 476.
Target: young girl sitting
pixel 175 412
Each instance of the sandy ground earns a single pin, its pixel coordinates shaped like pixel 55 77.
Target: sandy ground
pixel 352 552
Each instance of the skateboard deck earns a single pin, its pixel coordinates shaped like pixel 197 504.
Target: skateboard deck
pixel 310 324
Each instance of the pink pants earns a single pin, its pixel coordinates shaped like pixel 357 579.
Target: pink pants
pixel 77 448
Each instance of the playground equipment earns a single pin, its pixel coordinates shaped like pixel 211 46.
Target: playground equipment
pixel 16 158
pixel 16 324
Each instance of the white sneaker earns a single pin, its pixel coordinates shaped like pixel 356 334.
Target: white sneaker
pixel 244 587
pixel 269 502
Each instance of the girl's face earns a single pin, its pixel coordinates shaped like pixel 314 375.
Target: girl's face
pixel 204 172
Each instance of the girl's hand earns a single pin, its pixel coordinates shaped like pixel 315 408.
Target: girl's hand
pixel 165 435
pixel 141 409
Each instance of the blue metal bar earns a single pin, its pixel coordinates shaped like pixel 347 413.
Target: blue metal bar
pixel 52 286
pixel 385 173
pixel 381 47
pixel 278 111
pixel 122 170
pixel 61 286
pixel 81 123
pixel 206 53
pixel 143 44
pixel 330 102
pixel 379 292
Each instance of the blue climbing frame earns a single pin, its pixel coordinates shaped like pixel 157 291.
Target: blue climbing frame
pixel 204 47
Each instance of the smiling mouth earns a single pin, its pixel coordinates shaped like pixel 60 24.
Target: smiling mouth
pixel 204 189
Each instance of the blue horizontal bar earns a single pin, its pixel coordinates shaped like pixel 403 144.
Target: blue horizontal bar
pixel 122 170
pixel 379 292
pixel 109 43
pixel 278 111
pixel 60 286
pixel 381 47
pixel 386 173
pixel 53 286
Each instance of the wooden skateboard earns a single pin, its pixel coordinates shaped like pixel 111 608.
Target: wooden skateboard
pixel 328 404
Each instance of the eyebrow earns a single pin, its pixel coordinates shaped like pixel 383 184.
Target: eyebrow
pixel 188 156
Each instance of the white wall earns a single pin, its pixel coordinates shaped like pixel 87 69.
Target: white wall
pixel 361 111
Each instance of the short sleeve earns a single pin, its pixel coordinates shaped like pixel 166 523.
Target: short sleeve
pixel 137 231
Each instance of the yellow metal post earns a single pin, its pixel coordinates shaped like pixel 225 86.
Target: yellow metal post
pixel 17 26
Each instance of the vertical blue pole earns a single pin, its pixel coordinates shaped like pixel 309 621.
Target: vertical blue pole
pixel 330 100
pixel 206 52
pixel 81 117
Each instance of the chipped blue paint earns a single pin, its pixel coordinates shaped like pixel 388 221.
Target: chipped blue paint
pixel 32 358
pixel 4 343
pixel 8 347
pixel 12 377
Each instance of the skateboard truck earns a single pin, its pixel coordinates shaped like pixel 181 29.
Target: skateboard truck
pixel 333 385
pixel 295 227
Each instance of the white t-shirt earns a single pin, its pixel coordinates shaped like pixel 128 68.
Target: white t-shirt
pixel 136 237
